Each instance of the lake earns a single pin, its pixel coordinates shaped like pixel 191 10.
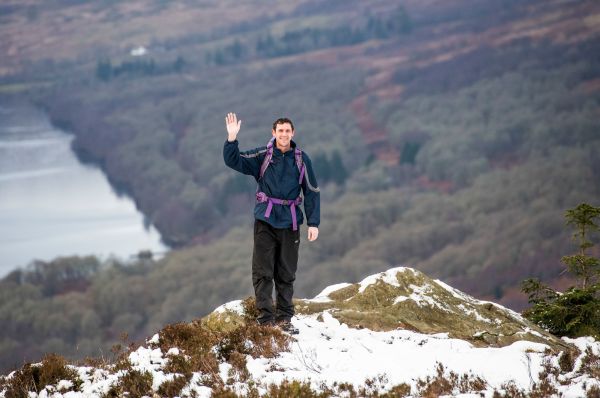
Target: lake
pixel 52 205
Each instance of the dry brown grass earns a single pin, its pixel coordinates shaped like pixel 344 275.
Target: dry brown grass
pixel 545 386
pixel 134 384
pixel 250 310
pixel 371 388
pixel 593 392
pixel 566 360
pixel 195 343
pixel 172 388
pixel 542 389
pixel 34 378
pixel 442 384
pixel 294 389
pixel 202 347
pixel 201 350
pixel 590 364
pixel 510 391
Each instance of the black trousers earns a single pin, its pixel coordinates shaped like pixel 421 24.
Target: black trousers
pixel 275 258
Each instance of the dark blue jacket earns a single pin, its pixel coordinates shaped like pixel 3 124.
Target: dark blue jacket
pixel 279 181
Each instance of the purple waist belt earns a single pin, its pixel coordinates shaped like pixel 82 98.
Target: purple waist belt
pixel 262 197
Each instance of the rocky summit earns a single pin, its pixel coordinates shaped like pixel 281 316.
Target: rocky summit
pixel 398 333
pixel 404 298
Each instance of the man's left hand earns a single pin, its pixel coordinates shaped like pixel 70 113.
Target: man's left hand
pixel 313 233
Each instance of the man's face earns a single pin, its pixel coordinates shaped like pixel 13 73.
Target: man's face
pixel 283 133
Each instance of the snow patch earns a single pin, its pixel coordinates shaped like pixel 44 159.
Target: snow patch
pixel 154 339
pixel 327 352
pixel 582 343
pixel 513 314
pixel 138 51
pixel 455 292
pixel 420 295
pixel 532 332
pixel 196 389
pixel 474 313
pixel 390 277
pixel 233 306
pixel 147 359
pixel 323 297
pixel 64 385
pixel 400 299
pixel 173 351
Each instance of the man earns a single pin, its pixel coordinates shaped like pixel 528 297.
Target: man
pixel 282 172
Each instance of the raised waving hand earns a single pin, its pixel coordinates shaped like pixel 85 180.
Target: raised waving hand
pixel 233 126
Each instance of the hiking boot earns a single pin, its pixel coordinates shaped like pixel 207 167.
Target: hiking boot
pixel 288 327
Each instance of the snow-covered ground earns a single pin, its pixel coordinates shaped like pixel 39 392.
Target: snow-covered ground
pixel 326 353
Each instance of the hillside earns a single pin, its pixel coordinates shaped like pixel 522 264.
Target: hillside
pixel 225 354
pixel 450 135
pixel 448 106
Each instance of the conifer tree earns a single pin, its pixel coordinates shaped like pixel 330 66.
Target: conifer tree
pixel 576 312
pixel 585 267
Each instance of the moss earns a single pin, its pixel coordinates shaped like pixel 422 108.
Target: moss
pixel 223 322
pixel 376 296
pixel 374 320
pixel 344 293
pixel 228 320
pixel 305 307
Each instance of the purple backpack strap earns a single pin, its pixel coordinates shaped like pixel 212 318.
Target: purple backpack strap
pixel 299 164
pixel 268 157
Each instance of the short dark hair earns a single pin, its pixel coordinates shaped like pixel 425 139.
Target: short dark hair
pixel 282 120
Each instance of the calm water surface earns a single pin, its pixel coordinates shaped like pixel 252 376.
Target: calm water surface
pixel 52 205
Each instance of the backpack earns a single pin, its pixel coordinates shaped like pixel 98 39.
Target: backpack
pixel 261 197
pixel 269 156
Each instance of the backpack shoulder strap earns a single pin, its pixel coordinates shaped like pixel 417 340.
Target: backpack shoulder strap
pixel 299 164
pixel 269 155
pixel 267 159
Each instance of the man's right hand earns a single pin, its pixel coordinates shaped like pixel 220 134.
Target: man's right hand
pixel 233 126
